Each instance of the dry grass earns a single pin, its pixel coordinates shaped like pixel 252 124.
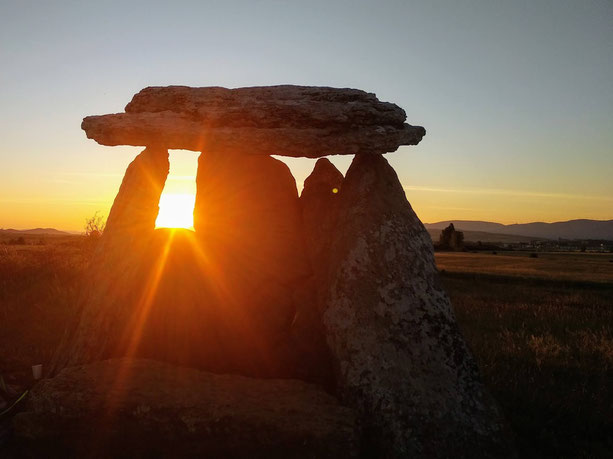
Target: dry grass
pixel 38 287
pixel 588 267
pixel 546 351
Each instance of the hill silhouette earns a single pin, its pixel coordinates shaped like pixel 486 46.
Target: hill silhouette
pixel 572 229
pixel 34 231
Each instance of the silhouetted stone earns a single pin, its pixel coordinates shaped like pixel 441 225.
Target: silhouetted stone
pixel 401 358
pixel 136 205
pixel 143 408
pixel 282 120
pixel 319 202
pixel 247 219
pixel 117 277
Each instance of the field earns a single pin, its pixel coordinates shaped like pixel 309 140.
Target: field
pixel 540 328
pixel 38 287
pixel 542 331
pixel 572 266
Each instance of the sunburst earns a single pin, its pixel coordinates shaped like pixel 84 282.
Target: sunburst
pixel 176 211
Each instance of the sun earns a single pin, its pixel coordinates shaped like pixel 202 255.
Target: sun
pixel 176 211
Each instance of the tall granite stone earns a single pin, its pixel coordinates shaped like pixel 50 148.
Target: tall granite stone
pixel 118 277
pixel 248 222
pixel 400 356
pixel 136 205
pixel 319 204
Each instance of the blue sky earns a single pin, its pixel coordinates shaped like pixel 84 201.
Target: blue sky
pixel 516 96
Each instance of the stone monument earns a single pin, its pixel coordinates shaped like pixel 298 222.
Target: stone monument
pixel 337 287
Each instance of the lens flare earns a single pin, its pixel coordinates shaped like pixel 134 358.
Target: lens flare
pixel 176 211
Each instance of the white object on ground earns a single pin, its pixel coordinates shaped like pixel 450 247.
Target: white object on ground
pixel 37 371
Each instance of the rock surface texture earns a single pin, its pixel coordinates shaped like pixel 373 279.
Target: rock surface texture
pixel 136 205
pixel 279 120
pixel 118 273
pixel 401 359
pixel 143 408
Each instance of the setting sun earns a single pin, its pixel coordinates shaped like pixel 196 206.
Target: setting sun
pixel 176 211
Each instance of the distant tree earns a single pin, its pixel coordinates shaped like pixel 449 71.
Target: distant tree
pixel 94 226
pixel 451 239
pixel 457 242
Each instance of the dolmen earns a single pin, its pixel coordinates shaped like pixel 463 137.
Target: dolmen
pixel 284 325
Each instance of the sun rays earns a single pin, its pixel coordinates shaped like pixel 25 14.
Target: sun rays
pixel 176 211
pixel 179 194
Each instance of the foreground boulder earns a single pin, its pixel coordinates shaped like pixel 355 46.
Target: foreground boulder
pixel 401 359
pixel 143 408
pixel 274 120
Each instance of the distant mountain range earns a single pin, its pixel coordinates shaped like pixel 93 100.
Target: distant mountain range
pixel 572 229
pixel 486 238
pixel 35 231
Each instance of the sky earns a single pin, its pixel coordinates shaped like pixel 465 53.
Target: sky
pixel 516 96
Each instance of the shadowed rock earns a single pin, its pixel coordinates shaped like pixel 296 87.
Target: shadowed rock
pixel 318 203
pixel 118 275
pixel 400 356
pixel 136 205
pixel 143 408
pixel 247 219
pixel 282 120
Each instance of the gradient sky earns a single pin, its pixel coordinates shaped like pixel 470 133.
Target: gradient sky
pixel 516 96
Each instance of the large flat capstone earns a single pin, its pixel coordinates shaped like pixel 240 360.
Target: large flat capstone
pixel 298 121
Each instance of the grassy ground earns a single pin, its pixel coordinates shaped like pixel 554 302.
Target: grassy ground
pixel 574 266
pixel 540 328
pixel 38 288
pixel 544 345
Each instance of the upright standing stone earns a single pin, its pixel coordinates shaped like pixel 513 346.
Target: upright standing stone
pixel 401 358
pixel 136 205
pixel 118 277
pixel 319 203
pixel 247 219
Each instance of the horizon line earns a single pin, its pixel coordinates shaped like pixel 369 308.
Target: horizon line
pixel 451 220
